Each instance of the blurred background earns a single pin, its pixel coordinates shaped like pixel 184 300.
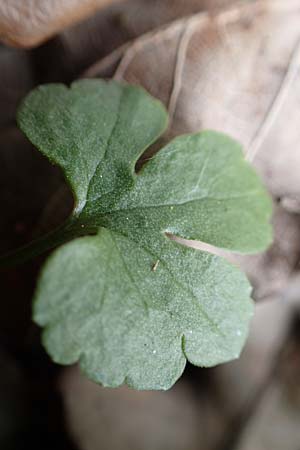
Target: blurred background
pixel 220 64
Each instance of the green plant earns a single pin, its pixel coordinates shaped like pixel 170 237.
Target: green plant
pixel 126 301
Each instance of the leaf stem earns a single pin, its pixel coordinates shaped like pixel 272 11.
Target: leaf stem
pixel 60 235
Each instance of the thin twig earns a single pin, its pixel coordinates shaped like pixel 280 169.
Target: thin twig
pixel 277 104
pixel 108 61
pixel 179 66
pixel 153 38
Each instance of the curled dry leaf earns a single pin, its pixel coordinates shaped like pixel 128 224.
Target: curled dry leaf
pixel 29 22
pixel 234 71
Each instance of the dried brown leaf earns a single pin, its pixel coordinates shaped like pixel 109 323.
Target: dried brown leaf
pixel 27 23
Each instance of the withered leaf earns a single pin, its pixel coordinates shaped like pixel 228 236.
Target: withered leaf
pixel 30 22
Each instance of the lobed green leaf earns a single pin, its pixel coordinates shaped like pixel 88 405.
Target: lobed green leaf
pixel 128 303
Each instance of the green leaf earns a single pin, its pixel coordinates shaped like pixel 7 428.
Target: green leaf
pixel 127 302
